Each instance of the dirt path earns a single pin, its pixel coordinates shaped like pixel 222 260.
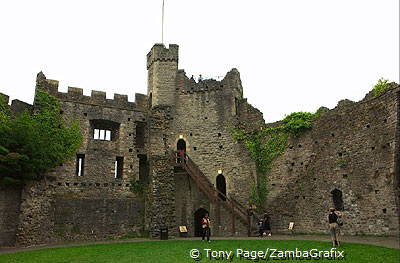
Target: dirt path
pixel 391 242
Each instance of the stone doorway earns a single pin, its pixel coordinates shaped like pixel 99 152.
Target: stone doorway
pixel 221 186
pixel 181 145
pixel 198 215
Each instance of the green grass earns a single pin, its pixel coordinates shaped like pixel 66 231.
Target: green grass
pixel 178 251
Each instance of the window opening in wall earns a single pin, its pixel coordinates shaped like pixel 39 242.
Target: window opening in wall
pixel 103 135
pixel 337 197
pixel 143 169
pixel 150 101
pixel 119 162
pixel 236 106
pixel 140 134
pixel 221 186
pixel 80 164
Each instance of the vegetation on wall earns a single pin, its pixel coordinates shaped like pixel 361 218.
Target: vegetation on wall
pixel 381 86
pixel 34 142
pixel 138 188
pixel 267 144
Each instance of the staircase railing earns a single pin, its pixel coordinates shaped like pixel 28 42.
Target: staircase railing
pixel 216 196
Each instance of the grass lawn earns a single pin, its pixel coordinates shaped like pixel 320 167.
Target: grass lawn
pixel 178 251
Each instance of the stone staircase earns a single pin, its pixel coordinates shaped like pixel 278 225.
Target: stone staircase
pixel 237 210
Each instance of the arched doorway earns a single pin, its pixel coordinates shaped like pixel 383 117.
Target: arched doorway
pixel 221 186
pixel 198 215
pixel 337 197
pixel 181 150
pixel 181 145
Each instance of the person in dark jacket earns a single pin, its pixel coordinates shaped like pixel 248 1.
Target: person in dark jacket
pixel 333 226
pixel 267 225
pixel 260 225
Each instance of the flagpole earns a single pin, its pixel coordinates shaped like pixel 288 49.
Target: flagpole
pixel 162 24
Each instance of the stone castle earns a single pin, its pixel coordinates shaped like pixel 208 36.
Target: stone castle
pixel 349 160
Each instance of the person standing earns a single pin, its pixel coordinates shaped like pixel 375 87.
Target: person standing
pixel 260 225
pixel 205 224
pixel 333 227
pixel 267 225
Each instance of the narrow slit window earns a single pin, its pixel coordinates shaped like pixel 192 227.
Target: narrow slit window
pixel 80 164
pixel 140 134
pixel 119 164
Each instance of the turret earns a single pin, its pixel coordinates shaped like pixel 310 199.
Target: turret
pixel 162 67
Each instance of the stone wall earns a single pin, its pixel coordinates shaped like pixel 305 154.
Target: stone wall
pixel 10 199
pixel 48 215
pixel 97 195
pixel 203 114
pixel 351 148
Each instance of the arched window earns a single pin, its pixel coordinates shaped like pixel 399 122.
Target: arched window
pixel 337 197
pixel 181 145
pixel 221 187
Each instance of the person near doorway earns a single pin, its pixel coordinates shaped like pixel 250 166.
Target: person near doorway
pixel 260 225
pixel 267 225
pixel 205 224
pixel 333 226
pixel 181 156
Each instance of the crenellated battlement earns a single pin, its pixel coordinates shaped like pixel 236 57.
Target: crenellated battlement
pixel 96 98
pixel 188 86
pixel 160 53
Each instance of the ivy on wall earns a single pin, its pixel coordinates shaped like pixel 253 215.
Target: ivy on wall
pixel 269 143
pixel 34 142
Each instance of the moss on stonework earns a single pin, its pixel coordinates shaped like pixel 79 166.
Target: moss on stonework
pixel 267 144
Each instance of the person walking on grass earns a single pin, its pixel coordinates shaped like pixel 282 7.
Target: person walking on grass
pixel 205 224
pixel 334 226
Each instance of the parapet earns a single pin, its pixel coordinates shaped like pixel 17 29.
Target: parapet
pixel 230 81
pixel 160 53
pixel 96 98
pixel 18 107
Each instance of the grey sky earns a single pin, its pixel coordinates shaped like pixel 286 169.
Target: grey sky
pixel 292 55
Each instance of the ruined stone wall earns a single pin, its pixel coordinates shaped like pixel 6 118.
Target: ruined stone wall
pixel 96 204
pixel 204 115
pixel 10 199
pixel 351 148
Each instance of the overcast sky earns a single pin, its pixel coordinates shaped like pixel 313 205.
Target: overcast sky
pixel 292 55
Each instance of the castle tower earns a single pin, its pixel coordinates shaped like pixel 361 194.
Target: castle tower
pixel 162 66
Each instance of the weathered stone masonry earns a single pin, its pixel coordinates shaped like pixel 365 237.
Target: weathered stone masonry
pixel 352 150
